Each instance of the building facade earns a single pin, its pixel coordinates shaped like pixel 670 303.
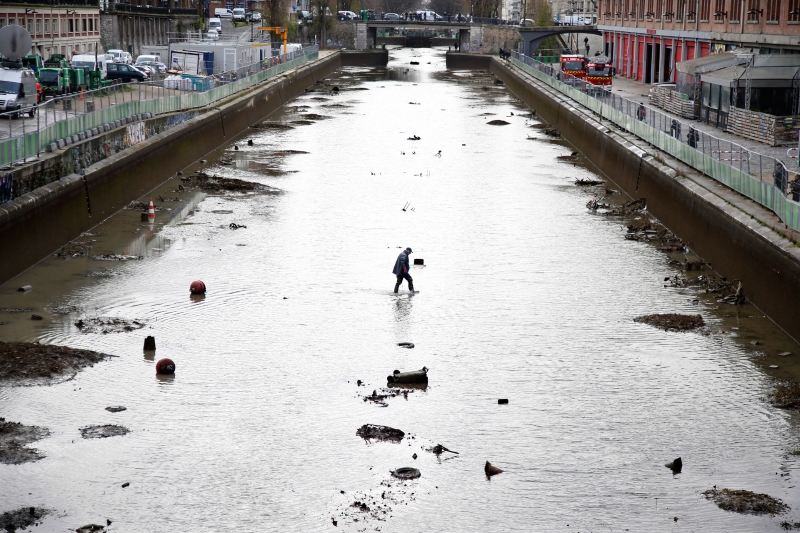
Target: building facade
pixel 55 29
pixel 646 38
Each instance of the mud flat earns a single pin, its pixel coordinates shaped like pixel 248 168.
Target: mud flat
pixel 31 363
pixel 14 438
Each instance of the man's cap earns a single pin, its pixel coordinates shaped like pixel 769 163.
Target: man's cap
pixel 410 250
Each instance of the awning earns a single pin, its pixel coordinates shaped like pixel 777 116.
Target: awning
pixel 706 64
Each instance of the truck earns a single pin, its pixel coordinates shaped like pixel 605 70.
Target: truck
pixel 194 62
pixel 599 71
pixel 575 65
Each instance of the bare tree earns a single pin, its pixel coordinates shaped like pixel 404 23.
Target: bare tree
pixel 323 21
pixel 449 7
pixel 274 12
pixel 398 6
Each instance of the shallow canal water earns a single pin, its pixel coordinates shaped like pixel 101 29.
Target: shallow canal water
pixel 524 295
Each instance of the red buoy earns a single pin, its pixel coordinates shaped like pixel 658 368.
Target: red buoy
pixel 165 366
pixel 197 287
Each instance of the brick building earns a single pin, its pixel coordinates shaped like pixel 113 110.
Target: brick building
pixel 646 38
pixel 59 28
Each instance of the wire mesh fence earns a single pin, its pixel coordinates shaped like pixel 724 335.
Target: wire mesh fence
pixel 69 115
pixel 761 178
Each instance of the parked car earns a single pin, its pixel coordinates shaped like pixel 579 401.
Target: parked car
pixel 256 17
pixel 121 56
pixel 392 16
pixel 223 13
pixel 238 14
pixel 304 17
pixel 156 66
pixel 144 70
pixel 215 24
pixel 212 35
pixel 126 73
pixel 346 15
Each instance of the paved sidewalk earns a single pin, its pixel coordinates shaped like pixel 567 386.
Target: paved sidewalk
pixel 638 92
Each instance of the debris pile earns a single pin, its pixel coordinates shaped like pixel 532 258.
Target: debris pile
pixel 745 502
pixel 786 395
pixel 28 360
pixel 21 518
pixel 103 432
pixel 672 321
pixel 379 396
pixel 584 181
pixel 73 249
pixel 108 325
pixel 117 257
pixel 14 438
pixel 498 122
pixel 272 126
pixel 205 182
pixel 373 431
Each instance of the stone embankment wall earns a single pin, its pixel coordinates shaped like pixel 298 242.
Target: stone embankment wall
pixel 131 31
pixel 738 237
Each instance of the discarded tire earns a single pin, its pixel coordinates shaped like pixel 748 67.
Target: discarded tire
pixel 197 287
pixel 406 472
pixel 415 376
pixel 165 366
pixel 408 345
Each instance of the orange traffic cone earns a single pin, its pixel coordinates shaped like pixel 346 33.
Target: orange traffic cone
pixel 151 211
pixel 80 96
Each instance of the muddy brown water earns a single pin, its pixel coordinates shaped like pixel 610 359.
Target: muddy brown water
pixel 525 295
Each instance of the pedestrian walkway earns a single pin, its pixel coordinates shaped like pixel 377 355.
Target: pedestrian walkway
pixel 628 88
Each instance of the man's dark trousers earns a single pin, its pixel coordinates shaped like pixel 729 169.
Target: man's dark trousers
pixel 408 279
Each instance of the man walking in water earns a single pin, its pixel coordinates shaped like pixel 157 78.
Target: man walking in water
pixel 401 270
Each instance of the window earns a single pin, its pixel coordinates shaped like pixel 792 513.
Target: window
pixel 794 11
pixel 719 11
pixel 659 9
pixel 71 25
pixel 668 10
pixel 47 25
pixel 773 10
pixel 705 7
pixel 30 25
pixel 679 10
pixel 752 10
pixel 735 14
pixel 641 11
pixel 83 24
pixel 38 26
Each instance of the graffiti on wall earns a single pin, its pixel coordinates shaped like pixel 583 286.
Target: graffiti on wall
pixel 14 184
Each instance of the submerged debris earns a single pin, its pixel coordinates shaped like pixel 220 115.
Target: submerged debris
pixel 204 182
pixel 551 132
pixel 672 321
pixel 498 122
pixel 373 431
pixel 14 438
pixel 786 395
pixel 108 325
pixel 102 432
pixel 379 396
pixel 73 249
pixel 28 360
pixel 439 450
pixel 21 518
pixel 585 181
pixel 272 126
pixel 117 257
pixel 745 502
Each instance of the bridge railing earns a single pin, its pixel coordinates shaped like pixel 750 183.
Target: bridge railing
pixel 762 178
pixel 75 115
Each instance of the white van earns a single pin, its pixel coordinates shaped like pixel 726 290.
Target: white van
pixel 121 56
pixel 148 58
pixel 88 61
pixel 223 13
pixel 428 15
pixel 238 15
pixel 215 24
pixel 17 90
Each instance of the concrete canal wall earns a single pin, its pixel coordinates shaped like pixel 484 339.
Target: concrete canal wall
pixel 38 223
pixel 739 238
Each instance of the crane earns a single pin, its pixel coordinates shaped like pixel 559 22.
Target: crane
pixel 281 33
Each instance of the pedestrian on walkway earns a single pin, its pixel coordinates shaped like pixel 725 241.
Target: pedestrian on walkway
pixel 401 267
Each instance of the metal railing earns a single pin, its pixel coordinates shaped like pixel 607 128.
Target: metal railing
pixel 75 114
pixel 761 178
